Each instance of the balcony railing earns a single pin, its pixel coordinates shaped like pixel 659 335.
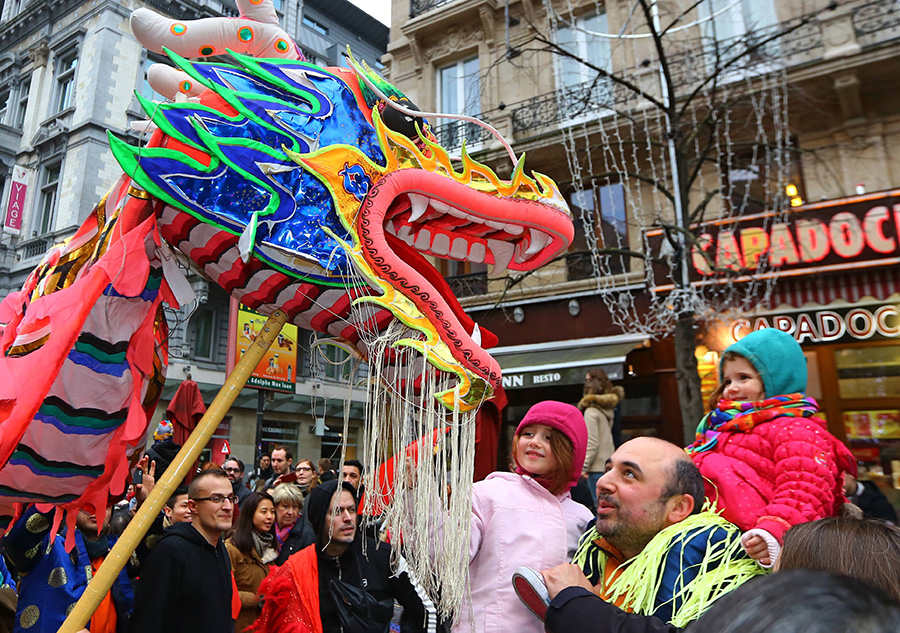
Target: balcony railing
pixel 874 17
pixel 470 285
pixel 588 98
pixel 418 7
pixel 35 248
pixel 451 135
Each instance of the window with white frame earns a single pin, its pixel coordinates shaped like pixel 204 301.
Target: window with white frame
pixel 582 39
pixel 47 198
pixel 729 20
pixel 459 92
pixel 66 64
pixel 22 105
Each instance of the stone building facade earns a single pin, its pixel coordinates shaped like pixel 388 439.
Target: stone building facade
pixel 486 58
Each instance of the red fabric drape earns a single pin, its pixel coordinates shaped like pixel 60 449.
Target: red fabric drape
pixel 487 434
pixel 291 596
pixel 185 410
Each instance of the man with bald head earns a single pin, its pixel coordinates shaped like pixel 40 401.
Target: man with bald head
pixel 645 551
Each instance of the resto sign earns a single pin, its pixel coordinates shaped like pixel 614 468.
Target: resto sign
pixel 16 203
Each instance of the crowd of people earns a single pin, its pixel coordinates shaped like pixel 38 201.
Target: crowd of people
pixel 750 528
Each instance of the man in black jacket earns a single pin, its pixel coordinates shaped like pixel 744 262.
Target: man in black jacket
pixel 341 559
pixel 869 498
pixel 164 448
pixel 186 583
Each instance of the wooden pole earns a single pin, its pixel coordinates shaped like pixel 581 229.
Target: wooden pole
pixel 175 473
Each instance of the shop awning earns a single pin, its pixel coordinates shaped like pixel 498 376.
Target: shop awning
pixel 564 362
pixel 851 286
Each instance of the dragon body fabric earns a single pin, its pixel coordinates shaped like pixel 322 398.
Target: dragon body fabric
pixel 282 183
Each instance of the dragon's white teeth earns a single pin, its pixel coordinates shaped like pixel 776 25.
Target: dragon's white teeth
pixel 513 229
pixel 441 244
pixel 478 253
pixel 418 206
pixel 423 240
pixel 539 240
pixel 500 226
pixel 460 248
pixel 437 205
pixel 456 213
pixel 390 228
pixel 476 335
pixel 405 233
pixel 503 254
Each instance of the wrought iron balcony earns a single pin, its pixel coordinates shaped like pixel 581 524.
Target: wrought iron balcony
pixel 418 7
pixel 451 135
pixel 470 285
pixel 874 17
pixel 588 98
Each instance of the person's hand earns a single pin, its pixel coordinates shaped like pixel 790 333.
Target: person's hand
pixel 143 489
pixel 584 475
pixel 756 549
pixel 565 575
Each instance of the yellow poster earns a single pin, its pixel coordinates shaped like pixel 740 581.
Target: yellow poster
pixel 278 368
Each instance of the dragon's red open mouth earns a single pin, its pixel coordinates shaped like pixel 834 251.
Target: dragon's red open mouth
pixel 411 213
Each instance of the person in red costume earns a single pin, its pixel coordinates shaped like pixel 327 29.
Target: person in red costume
pixel 768 461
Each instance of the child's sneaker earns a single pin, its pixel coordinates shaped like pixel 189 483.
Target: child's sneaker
pixel 532 591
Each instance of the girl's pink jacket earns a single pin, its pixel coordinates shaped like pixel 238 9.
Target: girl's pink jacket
pixel 779 474
pixel 515 521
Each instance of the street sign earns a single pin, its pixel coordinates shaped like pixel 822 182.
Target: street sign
pixel 226 449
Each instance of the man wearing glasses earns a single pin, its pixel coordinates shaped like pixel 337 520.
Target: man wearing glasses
pixel 234 468
pixel 186 584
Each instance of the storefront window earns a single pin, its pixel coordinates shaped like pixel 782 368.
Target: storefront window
pixel 333 439
pixel 870 372
pixel 276 432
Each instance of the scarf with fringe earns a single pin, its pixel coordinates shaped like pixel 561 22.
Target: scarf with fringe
pixel 264 543
pixel 638 582
pixel 732 416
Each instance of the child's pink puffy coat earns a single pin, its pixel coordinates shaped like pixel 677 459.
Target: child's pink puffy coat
pixel 780 473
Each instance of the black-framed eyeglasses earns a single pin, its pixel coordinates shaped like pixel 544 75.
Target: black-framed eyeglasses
pixel 218 499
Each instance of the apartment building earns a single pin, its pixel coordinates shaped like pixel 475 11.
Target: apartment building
pixel 538 72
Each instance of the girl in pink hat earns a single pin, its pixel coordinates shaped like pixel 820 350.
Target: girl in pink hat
pixel 526 517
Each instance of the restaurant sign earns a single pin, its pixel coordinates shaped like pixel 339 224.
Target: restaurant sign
pixel 833 235
pixel 851 323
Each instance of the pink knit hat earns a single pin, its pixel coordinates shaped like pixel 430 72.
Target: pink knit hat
pixel 566 419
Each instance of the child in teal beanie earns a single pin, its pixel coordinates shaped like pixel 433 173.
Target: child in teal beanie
pixel 768 461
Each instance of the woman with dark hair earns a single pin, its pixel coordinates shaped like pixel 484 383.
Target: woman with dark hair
pixel 252 549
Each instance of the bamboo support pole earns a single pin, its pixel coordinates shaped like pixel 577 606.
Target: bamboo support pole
pixel 137 528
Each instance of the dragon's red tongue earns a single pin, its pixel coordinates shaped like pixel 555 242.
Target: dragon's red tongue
pixel 412 257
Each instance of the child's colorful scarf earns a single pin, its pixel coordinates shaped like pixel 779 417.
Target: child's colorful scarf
pixel 739 417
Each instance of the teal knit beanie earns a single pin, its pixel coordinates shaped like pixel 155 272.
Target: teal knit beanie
pixel 778 359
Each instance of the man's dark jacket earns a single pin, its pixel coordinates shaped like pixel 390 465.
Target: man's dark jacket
pixel 163 452
pixel 874 504
pixel 370 570
pixel 577 609
pixel 185 586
